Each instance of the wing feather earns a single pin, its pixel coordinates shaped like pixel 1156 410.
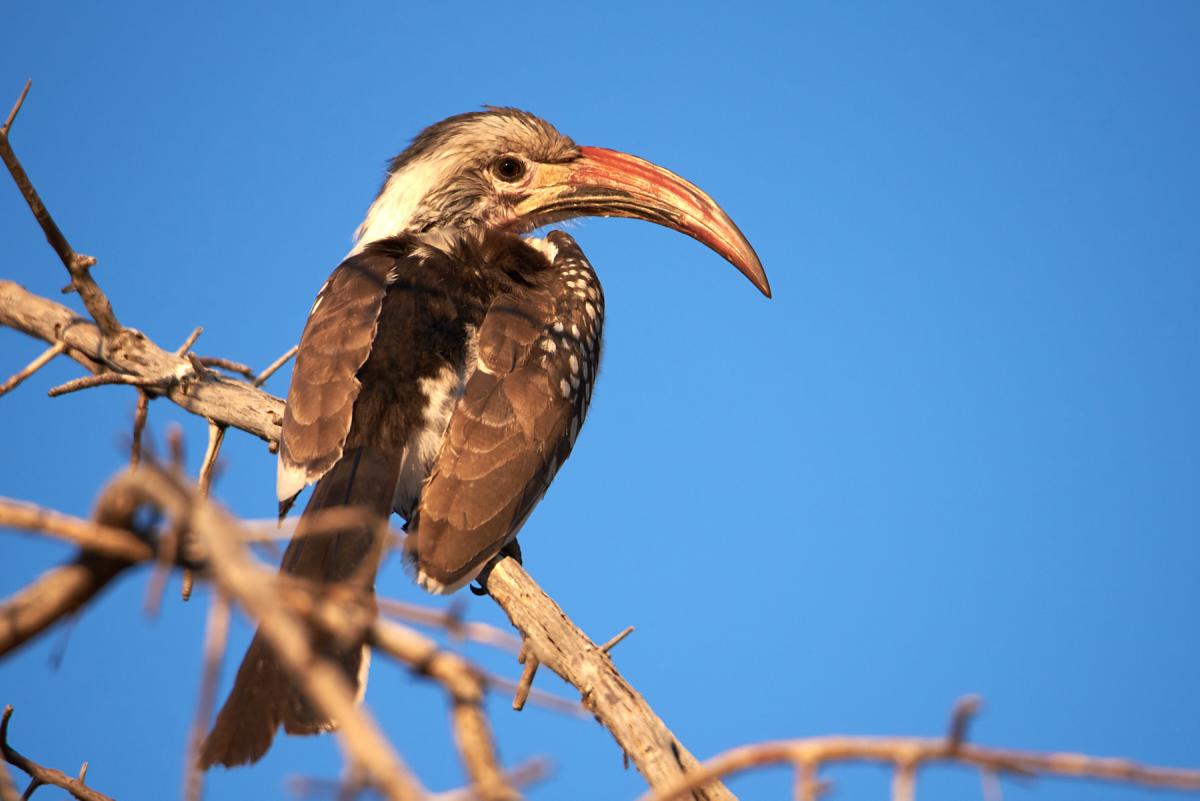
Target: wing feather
pixel 511 429
pixel 335 345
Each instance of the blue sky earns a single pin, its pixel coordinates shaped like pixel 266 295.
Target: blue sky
pixel 958 452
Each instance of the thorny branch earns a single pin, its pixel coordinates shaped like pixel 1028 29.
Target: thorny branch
pixel 43 776
pixel 77 264
pixel 37 364
pixel 560 645
pixel 907 755
pixel 274 366
pixel 225 401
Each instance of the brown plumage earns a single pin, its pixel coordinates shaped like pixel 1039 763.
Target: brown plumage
pixel 538 353
pixel 263 696
pixel 446 368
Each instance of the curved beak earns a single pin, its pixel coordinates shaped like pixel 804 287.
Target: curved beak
pixel 607 183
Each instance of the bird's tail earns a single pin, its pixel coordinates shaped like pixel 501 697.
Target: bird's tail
pixel 263 696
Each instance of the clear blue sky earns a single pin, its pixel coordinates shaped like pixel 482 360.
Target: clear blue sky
pixel 959 452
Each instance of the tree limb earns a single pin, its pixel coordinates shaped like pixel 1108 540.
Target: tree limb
pixel 77 264
pixel 234 573
pixel 89 536
pixel 41 775
pixel 57 594
pixel 222 400
pixel 215 641
pixel 908 754
pixel 37 364
pixel 561 646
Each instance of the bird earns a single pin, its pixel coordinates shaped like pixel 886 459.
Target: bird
pixel 445 369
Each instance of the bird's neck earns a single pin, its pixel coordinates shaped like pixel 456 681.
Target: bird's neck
pixel 400 205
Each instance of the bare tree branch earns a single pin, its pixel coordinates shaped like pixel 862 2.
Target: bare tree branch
pixel 450 618
pixel 529 659
pixel 466 689
pixel 234 573
pixel 37 364
pixel 41 775
pixel 229 366
pixel 224 401
pixel 104 540
pixel 190 515
pixel 139 427
pixel 191 340
pixel 8 790
pixel 12 115
pixel 907 755
pixel 274 366
pixel 57 594
pixel 561 646
pixel 106 379
pixel 76 263
pixel 538 697
pixel 616 639
pixel 215 639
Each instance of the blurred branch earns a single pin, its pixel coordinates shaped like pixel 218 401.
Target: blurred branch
pixel 89 536
pixel 465 686
pixel 58 593
pixel 451 619
pixel 234 573
pixel 8 790
pixel 215 641
pixel 286 609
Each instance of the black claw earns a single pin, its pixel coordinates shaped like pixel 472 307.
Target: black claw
pixel 511 549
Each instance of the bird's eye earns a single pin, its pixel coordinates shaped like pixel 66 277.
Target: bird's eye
pixel 509 168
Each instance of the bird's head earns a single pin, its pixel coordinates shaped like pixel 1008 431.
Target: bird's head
pixel 507 169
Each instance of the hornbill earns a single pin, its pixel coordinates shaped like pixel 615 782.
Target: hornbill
pixel 446 367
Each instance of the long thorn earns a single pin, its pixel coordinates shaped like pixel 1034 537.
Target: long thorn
pixel 275 365
pixel 37 364
pixel 12 115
